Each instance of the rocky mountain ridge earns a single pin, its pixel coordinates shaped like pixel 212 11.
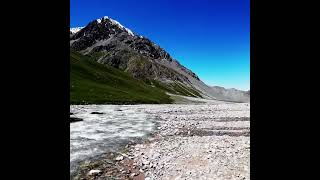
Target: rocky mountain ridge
pixel 109 42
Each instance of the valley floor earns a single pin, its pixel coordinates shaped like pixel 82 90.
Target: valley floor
pixel 210 140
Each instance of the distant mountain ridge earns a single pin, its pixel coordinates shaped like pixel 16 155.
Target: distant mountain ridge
pixel 110 43
pixel 231 94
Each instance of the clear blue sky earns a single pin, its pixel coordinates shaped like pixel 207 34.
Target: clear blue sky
pixel 210 37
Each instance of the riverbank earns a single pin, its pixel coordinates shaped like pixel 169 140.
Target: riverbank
pixel 203 141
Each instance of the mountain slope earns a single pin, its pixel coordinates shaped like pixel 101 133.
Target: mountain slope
pixel 93 83
pixel 231 94
pixel 109 42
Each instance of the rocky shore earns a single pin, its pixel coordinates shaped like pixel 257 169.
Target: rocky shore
pixel 204 141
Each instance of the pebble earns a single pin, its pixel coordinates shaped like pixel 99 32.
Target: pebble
pixel 190 155
pixel 145 162
pixel 193 155
pixel 119 158
pixel 94 172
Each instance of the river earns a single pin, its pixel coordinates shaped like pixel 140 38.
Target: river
pixel 106 132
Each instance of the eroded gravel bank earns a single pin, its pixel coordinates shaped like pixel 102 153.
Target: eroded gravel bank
pixel 205 141
pixel 198 142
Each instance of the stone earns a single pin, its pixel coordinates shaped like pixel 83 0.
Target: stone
pixel 94 172
pixel 119 158
pixel 125 155
pixel 146 162
pixel 156 155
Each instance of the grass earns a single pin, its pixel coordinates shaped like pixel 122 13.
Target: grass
pixel 176 88
pixel 94 83
pixel 97 55
pixel 184 90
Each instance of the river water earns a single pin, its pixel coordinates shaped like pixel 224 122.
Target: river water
pixel 100 133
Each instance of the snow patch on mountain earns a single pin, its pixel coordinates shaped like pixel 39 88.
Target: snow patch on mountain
pixel 119 25
pixel 75 29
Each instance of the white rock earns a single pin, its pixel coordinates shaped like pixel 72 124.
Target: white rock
pixel 94 171
pixel 156 155
pixel 119 158
pixel 146 162
pixel 124 155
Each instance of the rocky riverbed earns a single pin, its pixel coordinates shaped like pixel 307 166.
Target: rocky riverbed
pixel 202 141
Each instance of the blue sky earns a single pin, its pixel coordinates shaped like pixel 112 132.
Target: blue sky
pixel 210 37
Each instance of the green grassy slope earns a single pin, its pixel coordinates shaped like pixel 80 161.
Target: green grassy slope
pixel 94 83
pixel 175 88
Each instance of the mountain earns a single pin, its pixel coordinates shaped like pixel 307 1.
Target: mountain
pixel 231 94
pixel 75 30
pixel 95 83
pixel 109 42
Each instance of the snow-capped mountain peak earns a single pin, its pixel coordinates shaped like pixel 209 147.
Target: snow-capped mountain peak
pixel 75 29
pixel 116 23
pixel 112 44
